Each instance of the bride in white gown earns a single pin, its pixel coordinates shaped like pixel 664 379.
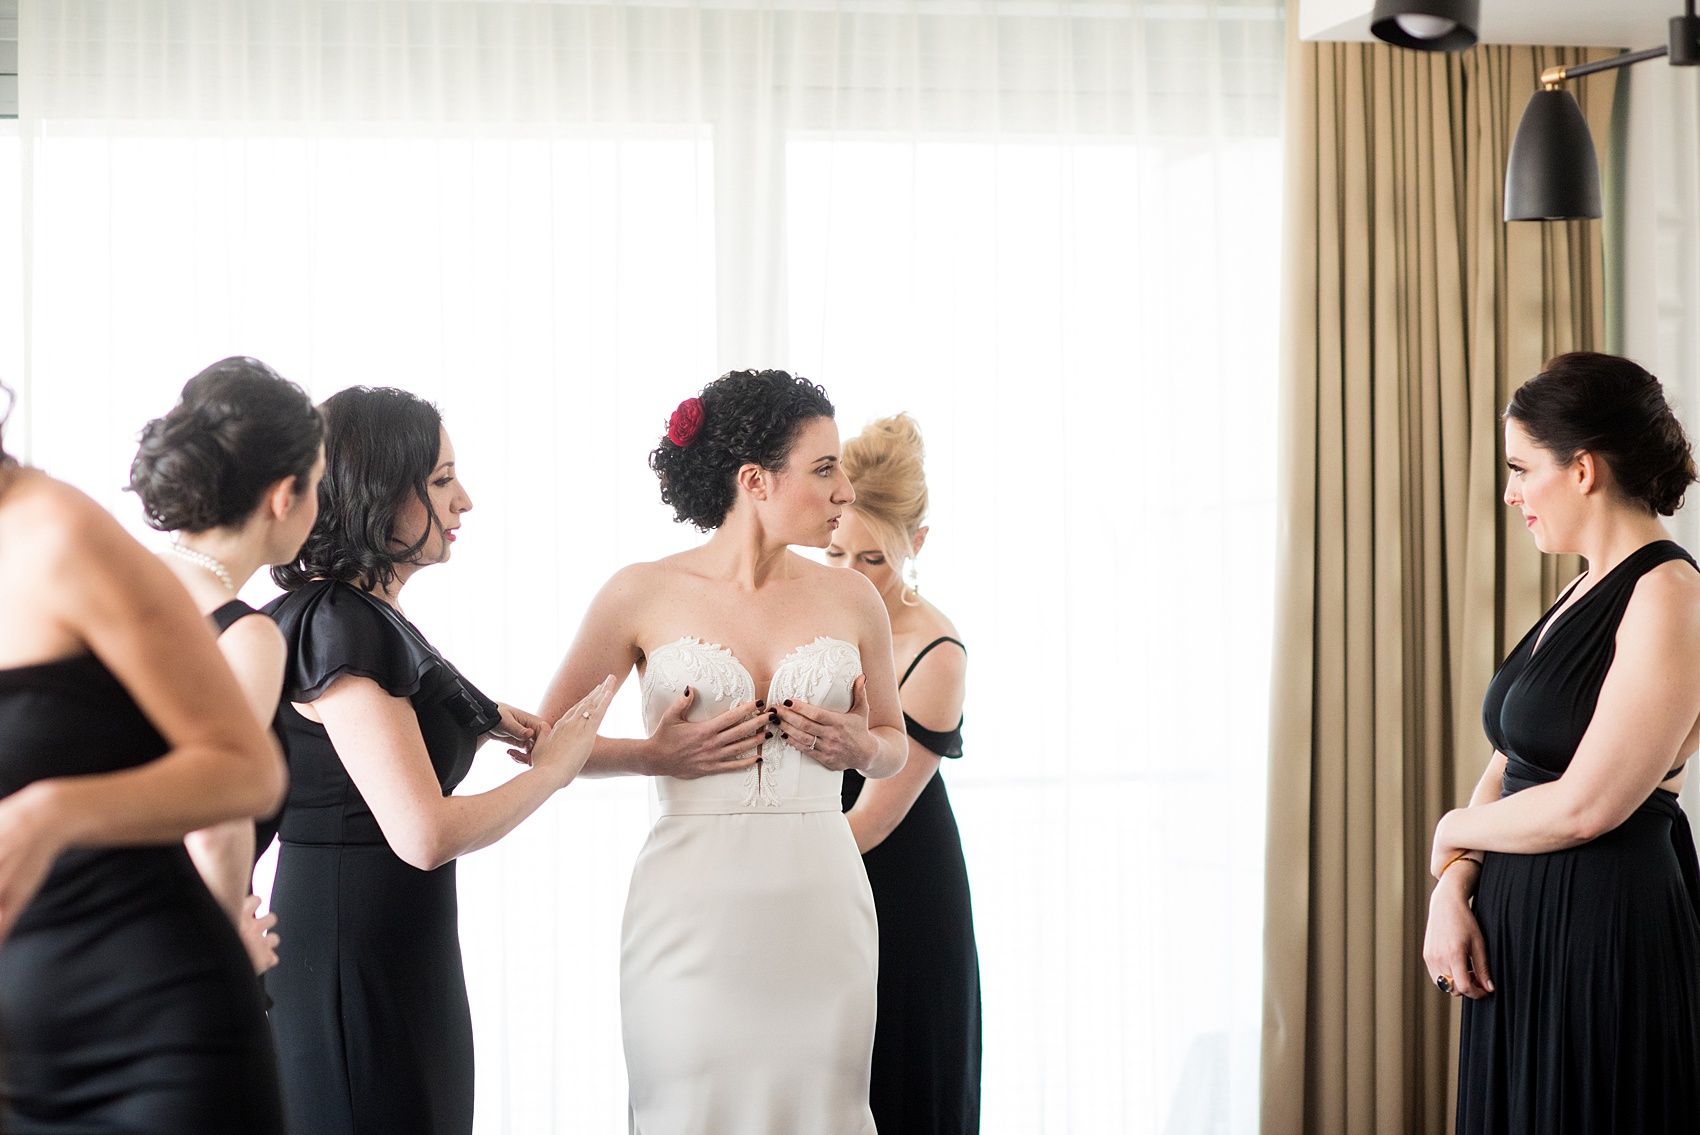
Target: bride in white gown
pixel 749 950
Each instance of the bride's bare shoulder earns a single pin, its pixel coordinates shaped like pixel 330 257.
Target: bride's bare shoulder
pixel 849 587
pixel 634 588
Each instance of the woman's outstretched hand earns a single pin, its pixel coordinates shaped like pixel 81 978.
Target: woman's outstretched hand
pixel 835 741
pixel 562 748
pixel 729 741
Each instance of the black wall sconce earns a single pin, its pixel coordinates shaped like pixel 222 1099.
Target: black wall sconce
pixel 1552 173
pixel 1426 25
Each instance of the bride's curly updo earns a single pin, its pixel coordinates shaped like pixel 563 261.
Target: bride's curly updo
pixel 885 466
pixel 1614 409
pixel 747 417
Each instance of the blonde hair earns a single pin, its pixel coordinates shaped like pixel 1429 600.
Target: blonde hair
pixel 884 464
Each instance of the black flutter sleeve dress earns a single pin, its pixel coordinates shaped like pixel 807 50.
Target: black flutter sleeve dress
pixel 1593 1027
pixel 926 1063
pixel 374 1032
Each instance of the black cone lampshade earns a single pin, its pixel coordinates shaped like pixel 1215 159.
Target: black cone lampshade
pixel 1552 174
pixel 1426 25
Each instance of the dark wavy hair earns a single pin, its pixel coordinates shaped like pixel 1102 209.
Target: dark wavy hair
pixel 748 417
pixel 237 429
pixel 381 446
pixel 1614 409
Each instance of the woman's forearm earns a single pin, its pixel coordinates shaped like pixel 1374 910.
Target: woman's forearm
pixel 1539 819
pixel 224 855
pixel 190 788
pixel 464 824
pixel 618 756
pixel 1491 784
pixel 883 804
pixel 891 751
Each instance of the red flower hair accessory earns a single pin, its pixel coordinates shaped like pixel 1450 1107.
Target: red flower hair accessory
pixel 682 427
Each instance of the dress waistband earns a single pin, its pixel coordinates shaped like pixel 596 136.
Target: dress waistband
pixel 735 808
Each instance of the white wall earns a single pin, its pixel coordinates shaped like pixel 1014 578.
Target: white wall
pixel 1661 255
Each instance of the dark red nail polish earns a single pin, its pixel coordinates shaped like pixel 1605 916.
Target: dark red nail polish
pixel 787 703
pixel 760 704
pixel 687 691
pixel 785 736
pixel 768 735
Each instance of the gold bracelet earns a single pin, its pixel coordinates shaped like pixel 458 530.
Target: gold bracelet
pixel 1454 859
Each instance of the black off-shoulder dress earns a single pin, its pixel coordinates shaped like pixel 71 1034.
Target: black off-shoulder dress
pixel 926 1064
pixel 374 1032
pixel 1593 1027
pixel 126 1000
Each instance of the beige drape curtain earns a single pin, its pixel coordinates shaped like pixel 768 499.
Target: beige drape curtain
pixel 1412 311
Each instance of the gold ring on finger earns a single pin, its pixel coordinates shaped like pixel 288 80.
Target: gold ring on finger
pixel 1444 984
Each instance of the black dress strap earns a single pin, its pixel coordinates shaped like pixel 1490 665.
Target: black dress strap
pixel 925 650
pixel 230 614
pixel 948 742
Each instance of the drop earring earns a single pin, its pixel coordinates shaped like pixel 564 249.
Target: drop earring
pixel 911 582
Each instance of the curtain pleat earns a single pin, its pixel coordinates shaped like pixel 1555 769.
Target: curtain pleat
pixel 1411 312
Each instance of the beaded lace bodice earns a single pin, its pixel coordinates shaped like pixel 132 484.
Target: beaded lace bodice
pixel 821 673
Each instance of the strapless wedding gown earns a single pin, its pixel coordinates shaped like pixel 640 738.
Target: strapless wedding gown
pixel 749 951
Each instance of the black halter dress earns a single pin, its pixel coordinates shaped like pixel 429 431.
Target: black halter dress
pixel 374 1031
pixel 926 1064
pixel 127 1003
pixel 225 617
pixel 1593 1027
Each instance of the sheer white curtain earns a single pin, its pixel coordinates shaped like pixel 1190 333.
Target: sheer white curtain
pixel 1047 229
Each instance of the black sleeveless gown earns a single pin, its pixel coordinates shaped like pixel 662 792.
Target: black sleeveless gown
pixel 265 830
pixel 227 616
pixel 1593 1027
pixel 374 1031
pixel 926 1069
pixel 127 1003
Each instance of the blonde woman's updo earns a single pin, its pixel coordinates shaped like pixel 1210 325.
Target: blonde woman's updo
pixel 884 464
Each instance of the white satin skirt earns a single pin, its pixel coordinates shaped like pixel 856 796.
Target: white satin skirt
pixel 748 964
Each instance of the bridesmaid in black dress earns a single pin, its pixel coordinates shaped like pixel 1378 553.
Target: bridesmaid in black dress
pixel 233 469
pixel 126 1001
pixel 373 1027
pixel 926 1070
pixel 1581 955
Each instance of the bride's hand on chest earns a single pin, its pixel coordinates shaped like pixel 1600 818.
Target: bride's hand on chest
pixel 728 742
pixel 835 741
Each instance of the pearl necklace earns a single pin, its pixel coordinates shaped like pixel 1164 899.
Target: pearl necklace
pixel 201 559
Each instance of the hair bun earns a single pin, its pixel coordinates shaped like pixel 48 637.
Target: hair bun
pixel 1611 407
pixel 886 467
pixel 237 429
